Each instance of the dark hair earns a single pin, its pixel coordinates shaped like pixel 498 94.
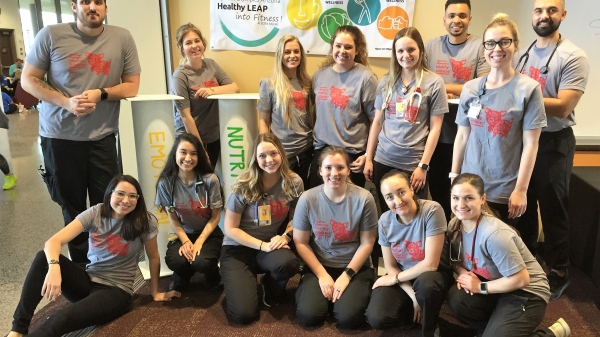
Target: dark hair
pixel 452 2
pixel 171 169
pixel 402 175
pixel 135 223
pixel 332 151
pixel 360 43
pixel 475 181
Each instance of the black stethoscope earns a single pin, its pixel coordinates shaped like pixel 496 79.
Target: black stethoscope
pixel 198 185
pixel 469 264
pixel 525 57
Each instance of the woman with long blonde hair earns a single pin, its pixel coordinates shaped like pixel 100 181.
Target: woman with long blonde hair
pixel 285 106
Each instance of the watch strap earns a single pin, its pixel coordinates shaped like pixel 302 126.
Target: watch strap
pixel 424 166
pixel 53 261
pixel 350 272
pixel 483 288
pixel 103 94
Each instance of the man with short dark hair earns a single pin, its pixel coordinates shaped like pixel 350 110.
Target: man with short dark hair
pixel 18 65
pixel 562 69
pixel 458 58
pixel 90 67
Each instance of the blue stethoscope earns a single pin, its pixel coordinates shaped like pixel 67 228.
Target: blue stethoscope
pixel 525 57
pixel 199 185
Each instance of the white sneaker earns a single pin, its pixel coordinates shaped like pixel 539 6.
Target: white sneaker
pixel 561 328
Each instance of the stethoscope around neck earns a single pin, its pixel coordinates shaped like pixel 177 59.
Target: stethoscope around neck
pixel 525 57
pixel 198 185
pixel 414 100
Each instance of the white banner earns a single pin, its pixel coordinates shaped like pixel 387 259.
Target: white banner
pixel 257 25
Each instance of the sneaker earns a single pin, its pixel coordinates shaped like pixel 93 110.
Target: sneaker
pixel 9 182
pixel 558 284
pixel 268 299
pixel 561 328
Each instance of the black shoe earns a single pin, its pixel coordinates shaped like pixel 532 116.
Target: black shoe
pixel 268 297
pixel 558 284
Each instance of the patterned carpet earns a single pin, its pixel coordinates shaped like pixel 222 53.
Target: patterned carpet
pixel 202 313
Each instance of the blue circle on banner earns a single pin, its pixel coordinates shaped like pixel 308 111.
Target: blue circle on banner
pixel 330 20
pixel 363 12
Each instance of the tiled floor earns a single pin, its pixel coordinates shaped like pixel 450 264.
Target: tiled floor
pixel 27 215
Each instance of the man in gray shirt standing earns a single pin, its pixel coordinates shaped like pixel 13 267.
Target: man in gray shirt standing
pixel 458 58
pixel 89 67
pixel 562 69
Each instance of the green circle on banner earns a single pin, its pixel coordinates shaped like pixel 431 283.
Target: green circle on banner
pixel 330 20
pixel 363 12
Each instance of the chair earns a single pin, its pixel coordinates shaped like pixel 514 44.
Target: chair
pixel 25 98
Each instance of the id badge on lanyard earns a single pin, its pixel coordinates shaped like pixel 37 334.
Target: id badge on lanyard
pixel 400 109
pixel 263 211
pixel 474 109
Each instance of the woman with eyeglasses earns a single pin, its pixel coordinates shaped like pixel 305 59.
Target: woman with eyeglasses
pixel 120 227
pixel 501 289
pixel 262 197
pixel 411 235
pixel 500 118
pixel 335 227
pixel 190 193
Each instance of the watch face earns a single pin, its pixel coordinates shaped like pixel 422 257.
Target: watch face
pixel 350 272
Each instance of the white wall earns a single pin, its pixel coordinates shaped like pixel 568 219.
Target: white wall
pixel 10 19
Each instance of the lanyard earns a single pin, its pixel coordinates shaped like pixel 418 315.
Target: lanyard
pixel 199 184
pixel 525 57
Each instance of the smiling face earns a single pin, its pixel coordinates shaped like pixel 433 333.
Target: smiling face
pixel 466 202
pixel 547 16
pixel 291 55
pixel 399 196
pixel 90 13
pixel 268 157
pixel 457 19
pixel 192 46
pixel 344 50
pixel 407 53
pixel 334 171
pixel 498 57
pixel 121 206
pixel 186 157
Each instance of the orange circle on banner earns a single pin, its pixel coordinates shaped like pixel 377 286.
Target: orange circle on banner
pixel 391 20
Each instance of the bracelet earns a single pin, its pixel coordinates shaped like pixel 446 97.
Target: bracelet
pixel 183 244
pixel 396 280
pixel 260 248
pixel 452 175
pixel 287 235
pixel 211 89
pixel 53 261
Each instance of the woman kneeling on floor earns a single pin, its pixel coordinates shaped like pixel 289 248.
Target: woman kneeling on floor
pixel 501 289
pixel 119 228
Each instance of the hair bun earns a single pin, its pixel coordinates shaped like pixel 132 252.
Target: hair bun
pixel 500 16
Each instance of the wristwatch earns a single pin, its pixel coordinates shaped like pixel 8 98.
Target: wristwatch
pixel 53 261
pixel 483 288
pixel 103 95
pixel 424 166
pixel 350 272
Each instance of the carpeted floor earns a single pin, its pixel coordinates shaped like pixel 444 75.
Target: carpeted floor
pixel 200 312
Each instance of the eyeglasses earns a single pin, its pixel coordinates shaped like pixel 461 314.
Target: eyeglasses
pixel 122 195
pixel 503 43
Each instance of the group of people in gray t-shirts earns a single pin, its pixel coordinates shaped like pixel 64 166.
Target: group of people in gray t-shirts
pixel 300 206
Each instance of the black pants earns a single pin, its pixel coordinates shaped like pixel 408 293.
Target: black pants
pixel 379 170
pixel 213 150
pixel 12 108
pixel 93 303
pixel 391 306
pixel 301 165
pixel 358 179
pixel 349 311
pixel 514 314
pixel 527 224
pixel 439 183
pixel 550 187
pixel 4 165
pixel 207 262
pixel 76 170
pixel 239 267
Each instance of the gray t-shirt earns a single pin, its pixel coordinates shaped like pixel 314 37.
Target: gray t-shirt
pixel 401 144
pixel 344 104
pixel 193 205
pixel 495 144
pixel 74 63
pixel 298 137
pixel 457 64
pixel 407 242
pixel 334 227
pixel 113 261
pixel 204 111
pixel 280 206
pixel 499 252
pixel 568 69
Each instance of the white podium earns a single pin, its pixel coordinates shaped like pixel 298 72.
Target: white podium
pixel 154 134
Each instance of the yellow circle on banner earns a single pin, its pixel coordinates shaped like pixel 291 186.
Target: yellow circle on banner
pixel 391 20
pixel 304 14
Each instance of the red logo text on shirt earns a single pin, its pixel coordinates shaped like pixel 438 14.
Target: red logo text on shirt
pixel 321 230
pixel 340 231
pixel 279 209
pixel 98 65
pixel 417 253
pixel 196 207
pixel 210 83
pixel 496 125
pixel 113 242
pixel 76 61
pixel 398 251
